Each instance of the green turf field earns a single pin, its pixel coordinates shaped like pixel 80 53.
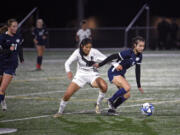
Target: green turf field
pixel 33 97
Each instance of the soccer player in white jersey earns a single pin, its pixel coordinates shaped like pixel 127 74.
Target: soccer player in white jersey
pixel 83 33
pixel 85 56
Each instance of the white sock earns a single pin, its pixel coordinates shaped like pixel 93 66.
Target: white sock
pixel 100 97
pixel 62 106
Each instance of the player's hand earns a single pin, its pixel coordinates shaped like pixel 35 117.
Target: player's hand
pixel 22 61
pixel 35 42
pixel 44 37
pixel 70 75
pixel 96 65
pixel 119 67
pixel 141 90
pixel 12 48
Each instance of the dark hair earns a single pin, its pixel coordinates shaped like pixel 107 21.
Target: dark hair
pixel 83 22
pixel 82 44
pixel 136 39
pixel 8 24
pixel 43 25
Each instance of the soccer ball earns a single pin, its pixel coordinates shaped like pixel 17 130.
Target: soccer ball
pixel 147 109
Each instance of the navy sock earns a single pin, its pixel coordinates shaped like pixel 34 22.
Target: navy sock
pixel 119 101
pixel 118 93
pixel 2 97
pixel 39 60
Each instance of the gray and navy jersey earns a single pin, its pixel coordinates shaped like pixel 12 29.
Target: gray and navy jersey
pixel 39 33
pixel 6 41
pixel 128 58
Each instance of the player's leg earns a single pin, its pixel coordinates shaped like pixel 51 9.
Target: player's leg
pixel 123 84
pixel 100 83
pixel 72 88
pixel 6 79
pixel 40 52
pixel 122 94
pixel 3 102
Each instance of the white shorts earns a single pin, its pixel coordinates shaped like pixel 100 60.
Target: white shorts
pixel 82 78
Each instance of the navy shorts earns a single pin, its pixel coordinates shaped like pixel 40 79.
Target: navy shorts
pixel 113 72
pixel 7 69
pixel 42 42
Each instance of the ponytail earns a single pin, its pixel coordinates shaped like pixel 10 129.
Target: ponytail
pixel 82 44
pixel 3 29
pixel 136 39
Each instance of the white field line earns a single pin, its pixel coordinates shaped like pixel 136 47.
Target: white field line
pixel 49 92
pixel 81 112
pixel 27 118
pixel 83 89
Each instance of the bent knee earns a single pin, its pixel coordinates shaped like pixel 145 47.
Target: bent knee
pixel 127 95
pixel 128 88
pixel 104 87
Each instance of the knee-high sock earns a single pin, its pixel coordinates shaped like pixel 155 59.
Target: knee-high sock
pixel 39 60
pixel 2 97
pixel 118 93
pixel 62 106
pixel 119 101
pixel 100 97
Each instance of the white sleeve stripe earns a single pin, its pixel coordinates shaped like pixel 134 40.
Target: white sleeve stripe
pixel 121 56
pixel 138 63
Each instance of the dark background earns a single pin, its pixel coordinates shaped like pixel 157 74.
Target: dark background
pixel 63 13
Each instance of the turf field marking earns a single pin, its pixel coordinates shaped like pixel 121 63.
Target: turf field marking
pixel 81 112
pixel 42 93
pixel 84 89
pixel 27 118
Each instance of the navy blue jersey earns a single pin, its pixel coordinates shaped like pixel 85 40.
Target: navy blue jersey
pixel 128 58
pixel 39 34
pixel 6 41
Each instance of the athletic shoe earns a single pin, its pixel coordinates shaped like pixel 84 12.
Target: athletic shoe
pixel 112 112
pixel 98 111
pixel 4 105
pixel 38 67
pixel 57 115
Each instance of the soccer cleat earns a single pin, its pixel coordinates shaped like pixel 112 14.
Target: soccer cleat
pixel 98 111
pixel 112 112
pixel 57 115
pixel 4 105
pixel 38 67
pixel 110 105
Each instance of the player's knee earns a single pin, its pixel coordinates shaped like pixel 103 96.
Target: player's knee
pixel 2 89
pixel 104 87
pixel 128 95
pixel 128 88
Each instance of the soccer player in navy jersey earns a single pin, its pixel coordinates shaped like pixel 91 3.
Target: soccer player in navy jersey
pixel 10 50
pixel 116 74
pixel 40 40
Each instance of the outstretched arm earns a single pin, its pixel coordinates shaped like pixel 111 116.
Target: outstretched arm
pixel 109 59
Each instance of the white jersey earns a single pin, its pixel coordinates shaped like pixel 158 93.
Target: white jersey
pixel 94 55
pixel 82 34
